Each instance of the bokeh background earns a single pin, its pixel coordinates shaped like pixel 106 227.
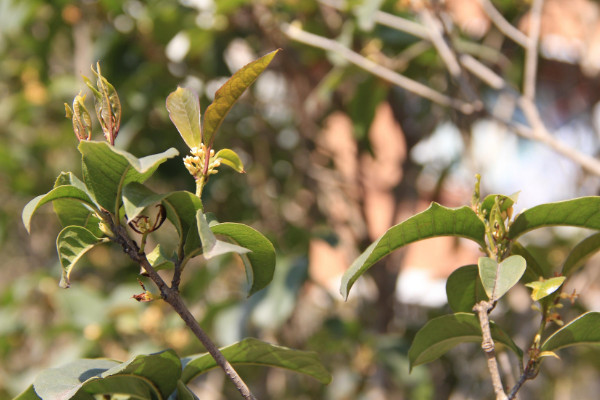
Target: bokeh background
pixel 334 157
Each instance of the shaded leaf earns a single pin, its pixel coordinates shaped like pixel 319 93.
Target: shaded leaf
pixel 28 394
pixel 231 159
pixel 124 385
pixel 498 278
pixel 433 222
pixel 181 210
pixel 260 261
pixel 545 287
pixel 534 270
pixel 75 212
pixel 229 94
pixel 211 246
pixel 580 254
pixel 72 243
pixel 163 369
pixel 443 333
pixel 184 392
pixel 60 192
pixel 184 110
pixel 255 352
pixel 584 329
pixel 464 289
pixel 136 197
pixel 107 170
pixel 583 212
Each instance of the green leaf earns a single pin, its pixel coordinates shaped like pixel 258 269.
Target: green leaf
pixel 28 394
pixel 584 329
pixel 107 170
pixel 443 333
pixel 159 259
pixel 184 392
pixel 229 93
pixel 135 387
pixel 433 222
pixel 74 212
pixel 260 261
pixel 534 270
pixel 60 192
pixel 505 202
pixel 181 210
pixel 184 110
pixel 580 254
pixel 231 159
pixel 136 197
pixel 545 287
pixel 64 382
pixel 163 369
pixel 72 243
pixel 464 289
pixel 211 247
pixel 582 212
pixel 496 278
pixel 255 352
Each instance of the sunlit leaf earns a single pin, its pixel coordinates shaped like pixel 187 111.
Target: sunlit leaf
pixel 255 352
pixel 584 329
pixel 545 287
pixel 464 289
pixel 211 246
pixel 184 111
pixel 231 159
pixel 443 333
pixel 260 261
pixel 229 93
pixel 107 170
pixel 64 382
pixel 28 394
pixel 159 259
pixel 505 202
pixel 434 222
pixel 581 253
pixel 60 192
pixel 498 278
pixel 583 212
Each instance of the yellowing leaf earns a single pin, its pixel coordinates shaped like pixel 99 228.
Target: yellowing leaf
pixel 184 110
pixel 229 93
pixel 545 287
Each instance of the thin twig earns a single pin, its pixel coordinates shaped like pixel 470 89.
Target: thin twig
pixel 487 344
pixel 173 298
pixel 531 53
pixel 482 72
pixel 503 25
pixel 295 33
pixel 434 31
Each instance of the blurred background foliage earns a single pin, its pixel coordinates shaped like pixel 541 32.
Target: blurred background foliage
pixel 334 156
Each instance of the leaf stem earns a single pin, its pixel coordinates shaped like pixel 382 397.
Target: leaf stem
pixel 172 296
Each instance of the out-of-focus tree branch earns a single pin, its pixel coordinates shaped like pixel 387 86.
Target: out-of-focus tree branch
pixel 458 64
